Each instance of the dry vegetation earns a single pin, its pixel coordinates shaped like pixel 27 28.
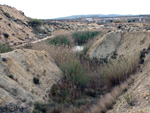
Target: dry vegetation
pixel 115 72
pixel 85 79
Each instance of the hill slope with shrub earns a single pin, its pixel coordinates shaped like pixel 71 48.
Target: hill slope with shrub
pixel 26 77
pixel 136 93
pixel 14 28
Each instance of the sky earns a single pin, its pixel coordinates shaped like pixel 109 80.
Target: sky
pixel 48 9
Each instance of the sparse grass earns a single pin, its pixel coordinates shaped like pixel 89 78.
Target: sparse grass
pixel 5 48
pixel 129 99
pixel 83 37
pixel 108 100
pixel 60 40
pixel 60 54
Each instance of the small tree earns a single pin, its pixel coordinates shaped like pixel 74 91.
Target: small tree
pixel 129 21
pixel 133 20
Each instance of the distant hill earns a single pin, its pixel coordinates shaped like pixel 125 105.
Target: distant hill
pixel 89 16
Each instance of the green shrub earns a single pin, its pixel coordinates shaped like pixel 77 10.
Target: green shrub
pixel 6 35
pixel 4 59
pixel 36 80
pixel 5 48
pixel 60 40
pixel 73 84
pixel 133 20
pixel 74 72
pixel 11 76
pixel 82 37
pixel 35 22
pixel 129 21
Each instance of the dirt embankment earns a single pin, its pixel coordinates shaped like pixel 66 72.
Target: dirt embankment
pixel 26 77
pixel 137 97
pixel 120 43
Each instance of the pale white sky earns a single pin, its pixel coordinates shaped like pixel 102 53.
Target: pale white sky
pixel 46 9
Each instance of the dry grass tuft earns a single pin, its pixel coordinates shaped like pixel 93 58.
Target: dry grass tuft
pixel 115 72
pixel 60 54
pixel 106 102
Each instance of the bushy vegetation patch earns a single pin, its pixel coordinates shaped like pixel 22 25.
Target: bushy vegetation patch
pixel 5 48
pixel 38 29
pixel 74 72
pixel 60 40
pixel 83 37
pixel 85 79
pixel 35 22
pixel 73 85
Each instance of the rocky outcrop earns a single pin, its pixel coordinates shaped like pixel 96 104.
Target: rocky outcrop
pixel 26 76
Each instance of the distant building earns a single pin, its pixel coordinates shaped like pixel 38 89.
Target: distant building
pixel 89 19
pixel 140 19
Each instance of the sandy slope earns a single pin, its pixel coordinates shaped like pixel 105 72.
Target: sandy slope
pixel 14 24
pixel 24 65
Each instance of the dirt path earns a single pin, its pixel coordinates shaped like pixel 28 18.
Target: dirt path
pixel 36 41
pixel 46 38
